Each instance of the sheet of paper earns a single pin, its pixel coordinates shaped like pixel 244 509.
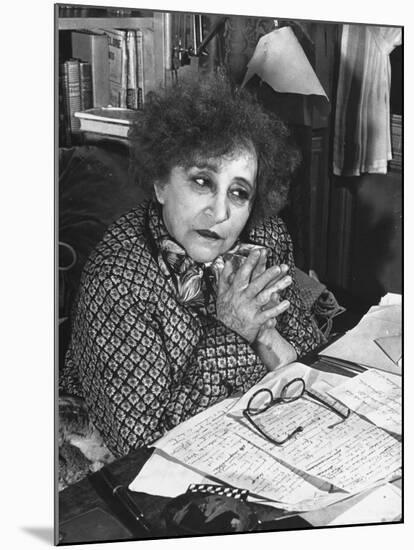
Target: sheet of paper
pixel 391 346
pixel 391 299
pixel 213 444
pixel 162 475
pixel 375 395
pixel 275 380
pixel 165 476
pixel 352 454
pixel 379 505
pixel 390 313
pixel 359 344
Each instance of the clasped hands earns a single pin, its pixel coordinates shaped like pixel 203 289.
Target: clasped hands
pixel 248 300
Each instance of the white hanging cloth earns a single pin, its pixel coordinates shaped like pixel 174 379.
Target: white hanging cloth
pixel 362 138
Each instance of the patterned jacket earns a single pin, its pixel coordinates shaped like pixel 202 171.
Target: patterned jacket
pixel 143 361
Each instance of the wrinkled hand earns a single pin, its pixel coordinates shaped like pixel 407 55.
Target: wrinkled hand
pixel 248 299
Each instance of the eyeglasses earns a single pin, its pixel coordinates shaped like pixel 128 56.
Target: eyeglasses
pixel 263 399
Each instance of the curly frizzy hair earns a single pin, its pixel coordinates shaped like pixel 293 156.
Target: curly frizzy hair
pixel 209 119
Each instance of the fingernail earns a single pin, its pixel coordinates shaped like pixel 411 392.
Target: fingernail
pixel 281 285
pixel 284 267
pixel 286 281
pixel 285 304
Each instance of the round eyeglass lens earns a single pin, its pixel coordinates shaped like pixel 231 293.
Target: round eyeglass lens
pixel 260 401
pixel 293 390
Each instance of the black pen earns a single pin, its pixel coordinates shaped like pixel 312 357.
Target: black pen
pixel 342 363
pixel 125 503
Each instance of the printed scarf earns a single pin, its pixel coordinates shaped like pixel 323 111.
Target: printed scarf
pixel 188 275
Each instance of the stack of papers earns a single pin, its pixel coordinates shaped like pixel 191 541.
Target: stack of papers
pixel 329 461
pixel 374 395
pixel 376 341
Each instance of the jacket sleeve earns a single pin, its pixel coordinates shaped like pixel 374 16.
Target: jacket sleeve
pixel 131 384
pixel 297 324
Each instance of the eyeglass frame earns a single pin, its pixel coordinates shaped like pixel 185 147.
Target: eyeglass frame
pixel 247 414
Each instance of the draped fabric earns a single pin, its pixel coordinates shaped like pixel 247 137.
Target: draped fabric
pixel 362 141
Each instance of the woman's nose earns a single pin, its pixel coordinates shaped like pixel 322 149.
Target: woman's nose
pixel 219 209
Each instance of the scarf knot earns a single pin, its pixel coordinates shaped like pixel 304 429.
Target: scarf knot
pixel 188 275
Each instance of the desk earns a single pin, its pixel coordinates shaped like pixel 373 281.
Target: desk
pixel 86 497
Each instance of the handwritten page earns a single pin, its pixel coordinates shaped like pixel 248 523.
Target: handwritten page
pixel 212 443
pixel 351 454
pixel 375 395
pixel 328 454
pixel 166 476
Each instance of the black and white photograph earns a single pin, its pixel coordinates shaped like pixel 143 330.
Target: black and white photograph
pixel 229 274
pixel 226 277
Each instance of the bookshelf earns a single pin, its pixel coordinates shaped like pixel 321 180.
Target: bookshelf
pixel 154 25
pixel 77 23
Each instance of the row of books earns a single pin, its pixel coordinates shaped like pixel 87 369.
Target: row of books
pixel 109 68
pixel 75 91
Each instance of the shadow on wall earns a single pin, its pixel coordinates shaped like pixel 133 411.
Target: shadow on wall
pixel 376 249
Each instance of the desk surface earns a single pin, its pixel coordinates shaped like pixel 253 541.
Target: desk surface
pixel 83 497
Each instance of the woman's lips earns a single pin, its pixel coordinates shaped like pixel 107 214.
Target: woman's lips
pixel 207 234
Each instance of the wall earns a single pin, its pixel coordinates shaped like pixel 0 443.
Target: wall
pixel 365 241
pixel 377 235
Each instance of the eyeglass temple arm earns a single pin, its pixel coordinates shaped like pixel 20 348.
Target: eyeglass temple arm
pixel 323 402
pixel 267 437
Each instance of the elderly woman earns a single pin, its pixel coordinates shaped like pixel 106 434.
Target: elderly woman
pixel 167 322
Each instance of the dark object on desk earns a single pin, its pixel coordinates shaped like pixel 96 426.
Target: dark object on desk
pixel 200 513
pixel 120 501
pixel 288 523
pixel 210 489
pixel 105 527
pixel 338 366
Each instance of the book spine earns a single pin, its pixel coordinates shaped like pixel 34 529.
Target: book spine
pixel 124 72
pixel 72 95
pixel 140 67
pixel 118 66
pixel 104 128
pixel 85 73
pixel 132 87
pixel 148 61
pixel 64 125
pixel 93 48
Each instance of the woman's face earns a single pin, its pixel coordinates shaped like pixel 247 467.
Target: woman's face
pixel 205 207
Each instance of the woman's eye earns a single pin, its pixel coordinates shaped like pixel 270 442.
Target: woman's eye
pixel 241 195
pixel 202 182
